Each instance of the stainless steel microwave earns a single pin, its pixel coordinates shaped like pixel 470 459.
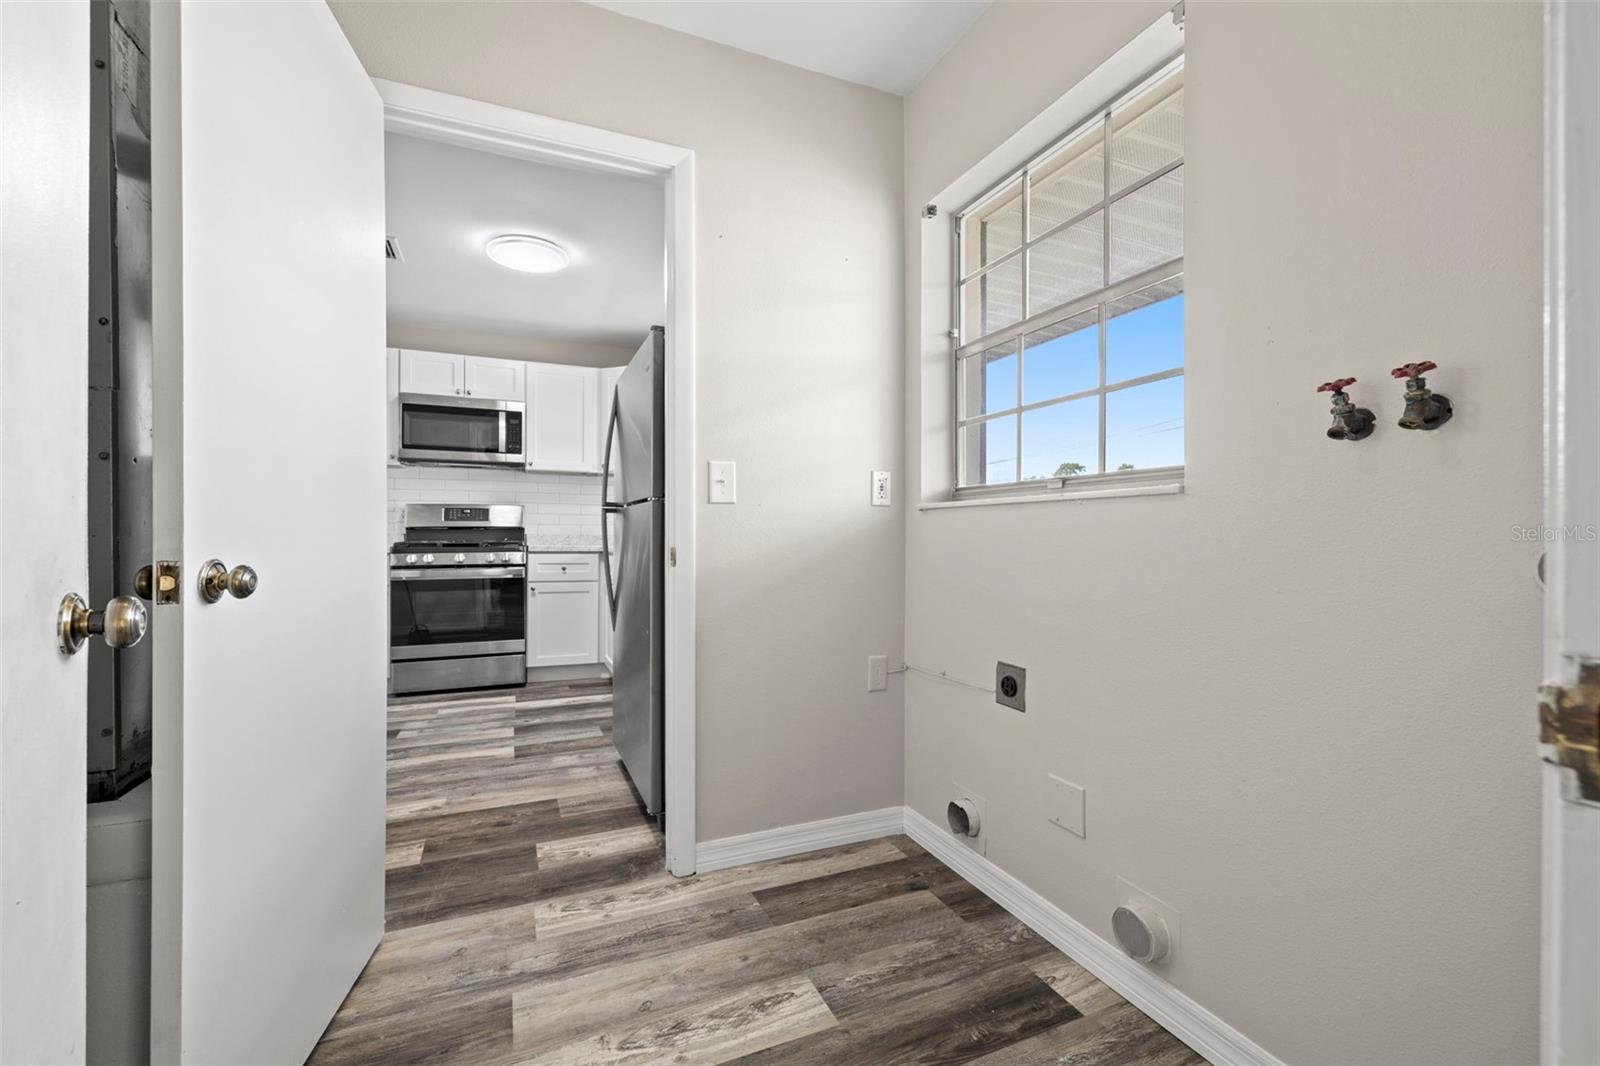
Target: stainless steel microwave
pixel 461 430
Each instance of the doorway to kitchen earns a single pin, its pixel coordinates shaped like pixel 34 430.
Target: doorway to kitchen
pixel 495 300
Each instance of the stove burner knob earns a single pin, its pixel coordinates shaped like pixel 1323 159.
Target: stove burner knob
pixel 411 558
pixel 460 558
pixel 428 558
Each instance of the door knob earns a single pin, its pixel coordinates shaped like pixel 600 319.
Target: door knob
pixel 123 623
pixel 216 580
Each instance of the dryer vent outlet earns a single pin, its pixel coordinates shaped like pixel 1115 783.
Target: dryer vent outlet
pixel 962 814
pixel 1141 931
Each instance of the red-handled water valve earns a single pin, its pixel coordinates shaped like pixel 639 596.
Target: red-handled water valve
pixel 1349 421
pixel 1414 370
pixel 1424 409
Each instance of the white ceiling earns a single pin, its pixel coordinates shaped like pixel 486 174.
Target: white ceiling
pixel 886 44
pixel 445 202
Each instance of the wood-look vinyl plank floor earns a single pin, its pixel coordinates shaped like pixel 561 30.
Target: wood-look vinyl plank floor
pixel 531 920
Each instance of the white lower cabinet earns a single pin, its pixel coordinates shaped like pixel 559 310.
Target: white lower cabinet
pixel 564 619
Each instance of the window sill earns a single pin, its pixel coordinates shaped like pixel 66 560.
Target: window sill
pixel 1171 487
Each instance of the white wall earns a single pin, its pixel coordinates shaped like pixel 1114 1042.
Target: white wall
pixel 1300 694
pixel 553 505
pixel 798 277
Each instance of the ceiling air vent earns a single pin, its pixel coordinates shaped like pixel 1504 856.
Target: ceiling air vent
pixel 391 250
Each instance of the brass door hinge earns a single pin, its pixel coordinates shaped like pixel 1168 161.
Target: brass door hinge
pixel 1569 721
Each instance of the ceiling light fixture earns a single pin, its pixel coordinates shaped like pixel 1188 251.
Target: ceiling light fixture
pixel 529 254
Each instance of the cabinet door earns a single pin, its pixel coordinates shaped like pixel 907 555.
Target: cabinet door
pixel 563 623
pixel 432 373
pixel 494 379
pixel 562 416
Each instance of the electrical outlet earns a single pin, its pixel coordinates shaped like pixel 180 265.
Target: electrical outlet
pixel 1064 804
pixel 877 673
pixel 1011 686
pixel 880 488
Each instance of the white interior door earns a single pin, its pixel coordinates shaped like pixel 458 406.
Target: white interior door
pixel 44 294
pixel 1570 1030
pixel 268 781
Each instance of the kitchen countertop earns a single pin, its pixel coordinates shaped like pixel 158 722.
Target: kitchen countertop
pixel 576 542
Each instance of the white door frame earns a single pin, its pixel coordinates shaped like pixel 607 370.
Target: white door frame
pixel 505 131
pixel 1570 933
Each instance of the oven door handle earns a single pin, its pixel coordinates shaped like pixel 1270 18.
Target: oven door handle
pixel 446 573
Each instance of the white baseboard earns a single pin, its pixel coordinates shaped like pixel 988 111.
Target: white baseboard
pixel 794 839
pixel 1196 1026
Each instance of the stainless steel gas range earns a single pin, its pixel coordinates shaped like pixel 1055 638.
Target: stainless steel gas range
pixel 458 614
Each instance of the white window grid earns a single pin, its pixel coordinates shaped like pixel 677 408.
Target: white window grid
pixel 1164 276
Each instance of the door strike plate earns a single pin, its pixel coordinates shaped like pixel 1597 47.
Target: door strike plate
pixel 167 572
pixel 1569 721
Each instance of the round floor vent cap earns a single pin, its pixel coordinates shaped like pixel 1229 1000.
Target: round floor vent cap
pixel 1141 932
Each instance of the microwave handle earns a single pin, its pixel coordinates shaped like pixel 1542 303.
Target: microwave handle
pixel 502 447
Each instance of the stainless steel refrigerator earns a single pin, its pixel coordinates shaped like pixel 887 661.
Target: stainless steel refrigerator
pixel 633 491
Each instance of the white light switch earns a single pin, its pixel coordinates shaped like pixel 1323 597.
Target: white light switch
pixel 1064 804
pixel 722 481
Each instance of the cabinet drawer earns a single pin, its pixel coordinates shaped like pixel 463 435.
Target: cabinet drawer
pixel 563 567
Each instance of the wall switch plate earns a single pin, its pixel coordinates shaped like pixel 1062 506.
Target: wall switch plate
pixel 880 488
pixel 722 481
pixel 1011 686
pixel 1064 804
pixel 877 673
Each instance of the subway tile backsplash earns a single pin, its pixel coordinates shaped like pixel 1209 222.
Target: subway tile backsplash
pixel 552 504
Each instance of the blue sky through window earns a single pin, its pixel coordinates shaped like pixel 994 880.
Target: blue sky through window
pixel 1144 424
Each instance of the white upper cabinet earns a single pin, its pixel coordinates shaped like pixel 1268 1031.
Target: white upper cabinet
pixel 432 373
pixel 563 418
pixel 494 379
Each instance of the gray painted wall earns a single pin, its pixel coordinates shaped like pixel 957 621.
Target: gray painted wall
pixel 1300 694
pixel 799 283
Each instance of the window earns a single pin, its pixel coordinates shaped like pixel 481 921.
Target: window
pixel 1069 304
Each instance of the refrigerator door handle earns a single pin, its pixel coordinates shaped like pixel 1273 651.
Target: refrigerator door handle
pixel 607 509
pixel 605 464
pixel 605 560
